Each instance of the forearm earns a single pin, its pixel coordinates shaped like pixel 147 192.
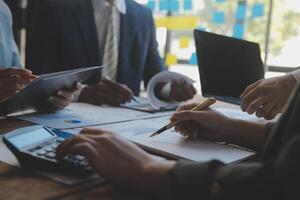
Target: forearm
pixel 156 181
pixel 245 133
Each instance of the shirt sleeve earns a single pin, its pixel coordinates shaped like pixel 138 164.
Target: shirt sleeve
pixel 16 62
pixel 296 75
pixel 274 179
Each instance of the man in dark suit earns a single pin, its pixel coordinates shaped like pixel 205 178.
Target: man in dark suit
pixel 120 34
pixel 275 175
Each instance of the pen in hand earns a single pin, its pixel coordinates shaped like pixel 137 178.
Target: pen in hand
pixel 134 99
pixel 203 105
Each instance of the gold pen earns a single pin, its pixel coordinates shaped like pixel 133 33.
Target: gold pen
pixel 201 106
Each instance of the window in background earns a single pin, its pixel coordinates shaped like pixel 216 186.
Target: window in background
pixel 285 34
pixel 244 19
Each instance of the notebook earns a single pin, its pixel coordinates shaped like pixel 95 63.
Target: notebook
pixel 172 145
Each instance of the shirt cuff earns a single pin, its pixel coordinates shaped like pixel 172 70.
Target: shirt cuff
pixel 296 75
pixel 191 180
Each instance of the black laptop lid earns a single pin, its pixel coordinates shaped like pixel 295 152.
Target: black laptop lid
pixel 227 65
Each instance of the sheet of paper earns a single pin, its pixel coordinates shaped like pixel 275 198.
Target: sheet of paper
pixel 174 145
pixel 83 115
pixel 187 5
pixel 142 104
pixel 184 42
pixel 193 60
pixel 7 157
pixel 177 22
pixel 60 120
pixel 238 114
pixel 171 59
pixel 241 11
pixel 258 10
pixel 238 31
pixel 218 17
pixel 163 77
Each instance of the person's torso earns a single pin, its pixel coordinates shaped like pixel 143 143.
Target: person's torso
pixel 78 39
pixel 285 129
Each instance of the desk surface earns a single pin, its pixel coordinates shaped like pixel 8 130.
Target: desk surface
pixel 19 184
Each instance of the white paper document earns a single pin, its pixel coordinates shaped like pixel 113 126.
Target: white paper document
pixel 141 104
pixel 238 114
pixel 164 77
pixel 173 145
pixel 83 115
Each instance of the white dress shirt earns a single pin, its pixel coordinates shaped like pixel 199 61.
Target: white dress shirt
pixel 102 14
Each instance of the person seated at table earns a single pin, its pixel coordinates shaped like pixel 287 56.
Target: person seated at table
pixel 13 77
pixel 274 176
pixel 118 34
pixel 268 97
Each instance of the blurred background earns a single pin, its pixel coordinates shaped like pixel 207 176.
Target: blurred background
pixel 275 25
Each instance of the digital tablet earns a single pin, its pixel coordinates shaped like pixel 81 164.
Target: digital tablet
pixel 36 94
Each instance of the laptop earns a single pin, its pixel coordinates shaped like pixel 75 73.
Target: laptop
pixel 227 65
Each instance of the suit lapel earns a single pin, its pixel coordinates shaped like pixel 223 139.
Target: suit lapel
pixel 86 21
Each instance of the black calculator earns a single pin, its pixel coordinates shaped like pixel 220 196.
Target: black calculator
pixel 35 148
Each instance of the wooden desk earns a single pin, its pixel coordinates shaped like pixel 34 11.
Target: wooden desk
pixel 16 183
pixel 20 184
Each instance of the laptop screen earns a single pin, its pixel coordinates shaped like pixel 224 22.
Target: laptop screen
pixel 226 65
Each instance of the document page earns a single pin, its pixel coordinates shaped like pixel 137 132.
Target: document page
pixel 172 144
pixel 83 115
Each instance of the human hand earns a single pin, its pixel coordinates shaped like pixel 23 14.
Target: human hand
pixel 13 80
pixel 118 160
pixel 181 90
pixel 207 124
pixel 267 97
pixel 64 97
pixel 106 92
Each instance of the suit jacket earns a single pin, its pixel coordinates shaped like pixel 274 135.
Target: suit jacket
pixel 276 175
pixel 64 37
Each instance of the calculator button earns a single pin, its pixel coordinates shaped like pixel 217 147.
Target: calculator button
pixel 60 140
pixel 41 152
pixel 67 158
pixel 83 164
pixel 79 157
pixel 50 155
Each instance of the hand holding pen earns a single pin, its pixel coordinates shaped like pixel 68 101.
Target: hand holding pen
pixel 202 106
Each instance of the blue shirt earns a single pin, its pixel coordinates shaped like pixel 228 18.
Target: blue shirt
pixel 9 53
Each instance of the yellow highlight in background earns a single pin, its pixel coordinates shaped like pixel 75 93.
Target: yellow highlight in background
pixel 177 23
pixel 184 42
pixel 171 59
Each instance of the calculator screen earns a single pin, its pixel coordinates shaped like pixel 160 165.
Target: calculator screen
pixel 31 137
